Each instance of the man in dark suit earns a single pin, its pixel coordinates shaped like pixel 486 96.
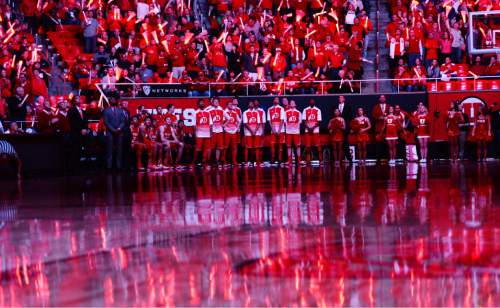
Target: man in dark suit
pixel 79 129
pixel 346 113
pixel 115 122
pixel 18 105
pixel 127 137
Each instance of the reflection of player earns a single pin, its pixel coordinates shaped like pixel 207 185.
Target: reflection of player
pixel 251 122
pixel 203 124
pixel 336 127
pixel 276 119
pixel 293 118
pixel 312 119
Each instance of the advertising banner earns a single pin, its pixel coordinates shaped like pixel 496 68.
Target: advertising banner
pixel 162 90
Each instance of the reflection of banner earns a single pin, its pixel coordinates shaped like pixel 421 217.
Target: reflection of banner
pixel 185 106
pixel 163 90
pixel 439 103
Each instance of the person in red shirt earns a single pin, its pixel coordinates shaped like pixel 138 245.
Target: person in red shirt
pixel 217 139
pixel 481 133
pixel 203 127
pixel 453 121
pixel 178 59
pixel 414 47
pixel 421 120
pixel 419 79
pixel 217 57
pixel 431 49
pixel 478 68
pixel 38 85
pixel 251 122
pixel 360 126
pixel 493 68
pixel 336 59
pixel 276 119
pixel 170 141
pixel 401 80
pixel 44 124
pixel 312 119
pixel 336 127
pixel 278 64
pixel 60 122
pixel 144 143
pixel 448 69
pixel 158 116
pixel 390 130
pixel 293 118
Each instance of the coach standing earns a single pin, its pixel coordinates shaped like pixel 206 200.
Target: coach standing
pixel 79 129
pixel 115 122
pixel 346 113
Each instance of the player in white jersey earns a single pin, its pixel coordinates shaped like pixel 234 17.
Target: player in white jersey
pixel 312 120
pixel 260 131
pixel 217 138
pixel 232 122
pixel 203 130
pixel 276 119
pixel 251 122
pixel 293 118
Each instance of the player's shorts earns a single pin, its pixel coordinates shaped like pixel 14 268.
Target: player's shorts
pixel 252 142
pixel 312 139
pixel 277 139
pixel 231 139
pixel 293 139
pixel 203 143
pixel 217 140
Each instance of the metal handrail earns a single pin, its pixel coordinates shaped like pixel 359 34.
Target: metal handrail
pixel 298 81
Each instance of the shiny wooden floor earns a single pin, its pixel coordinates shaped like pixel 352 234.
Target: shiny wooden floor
pixel 408 235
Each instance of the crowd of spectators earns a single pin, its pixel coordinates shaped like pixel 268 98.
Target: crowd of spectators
pixel 429 39
pixel 291 43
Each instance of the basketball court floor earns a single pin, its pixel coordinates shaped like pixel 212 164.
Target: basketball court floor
pixel 408 235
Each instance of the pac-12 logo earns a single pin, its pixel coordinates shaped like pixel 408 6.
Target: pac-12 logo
pixel 146 90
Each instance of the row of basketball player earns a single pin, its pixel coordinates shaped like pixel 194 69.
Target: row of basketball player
pixel 216 135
